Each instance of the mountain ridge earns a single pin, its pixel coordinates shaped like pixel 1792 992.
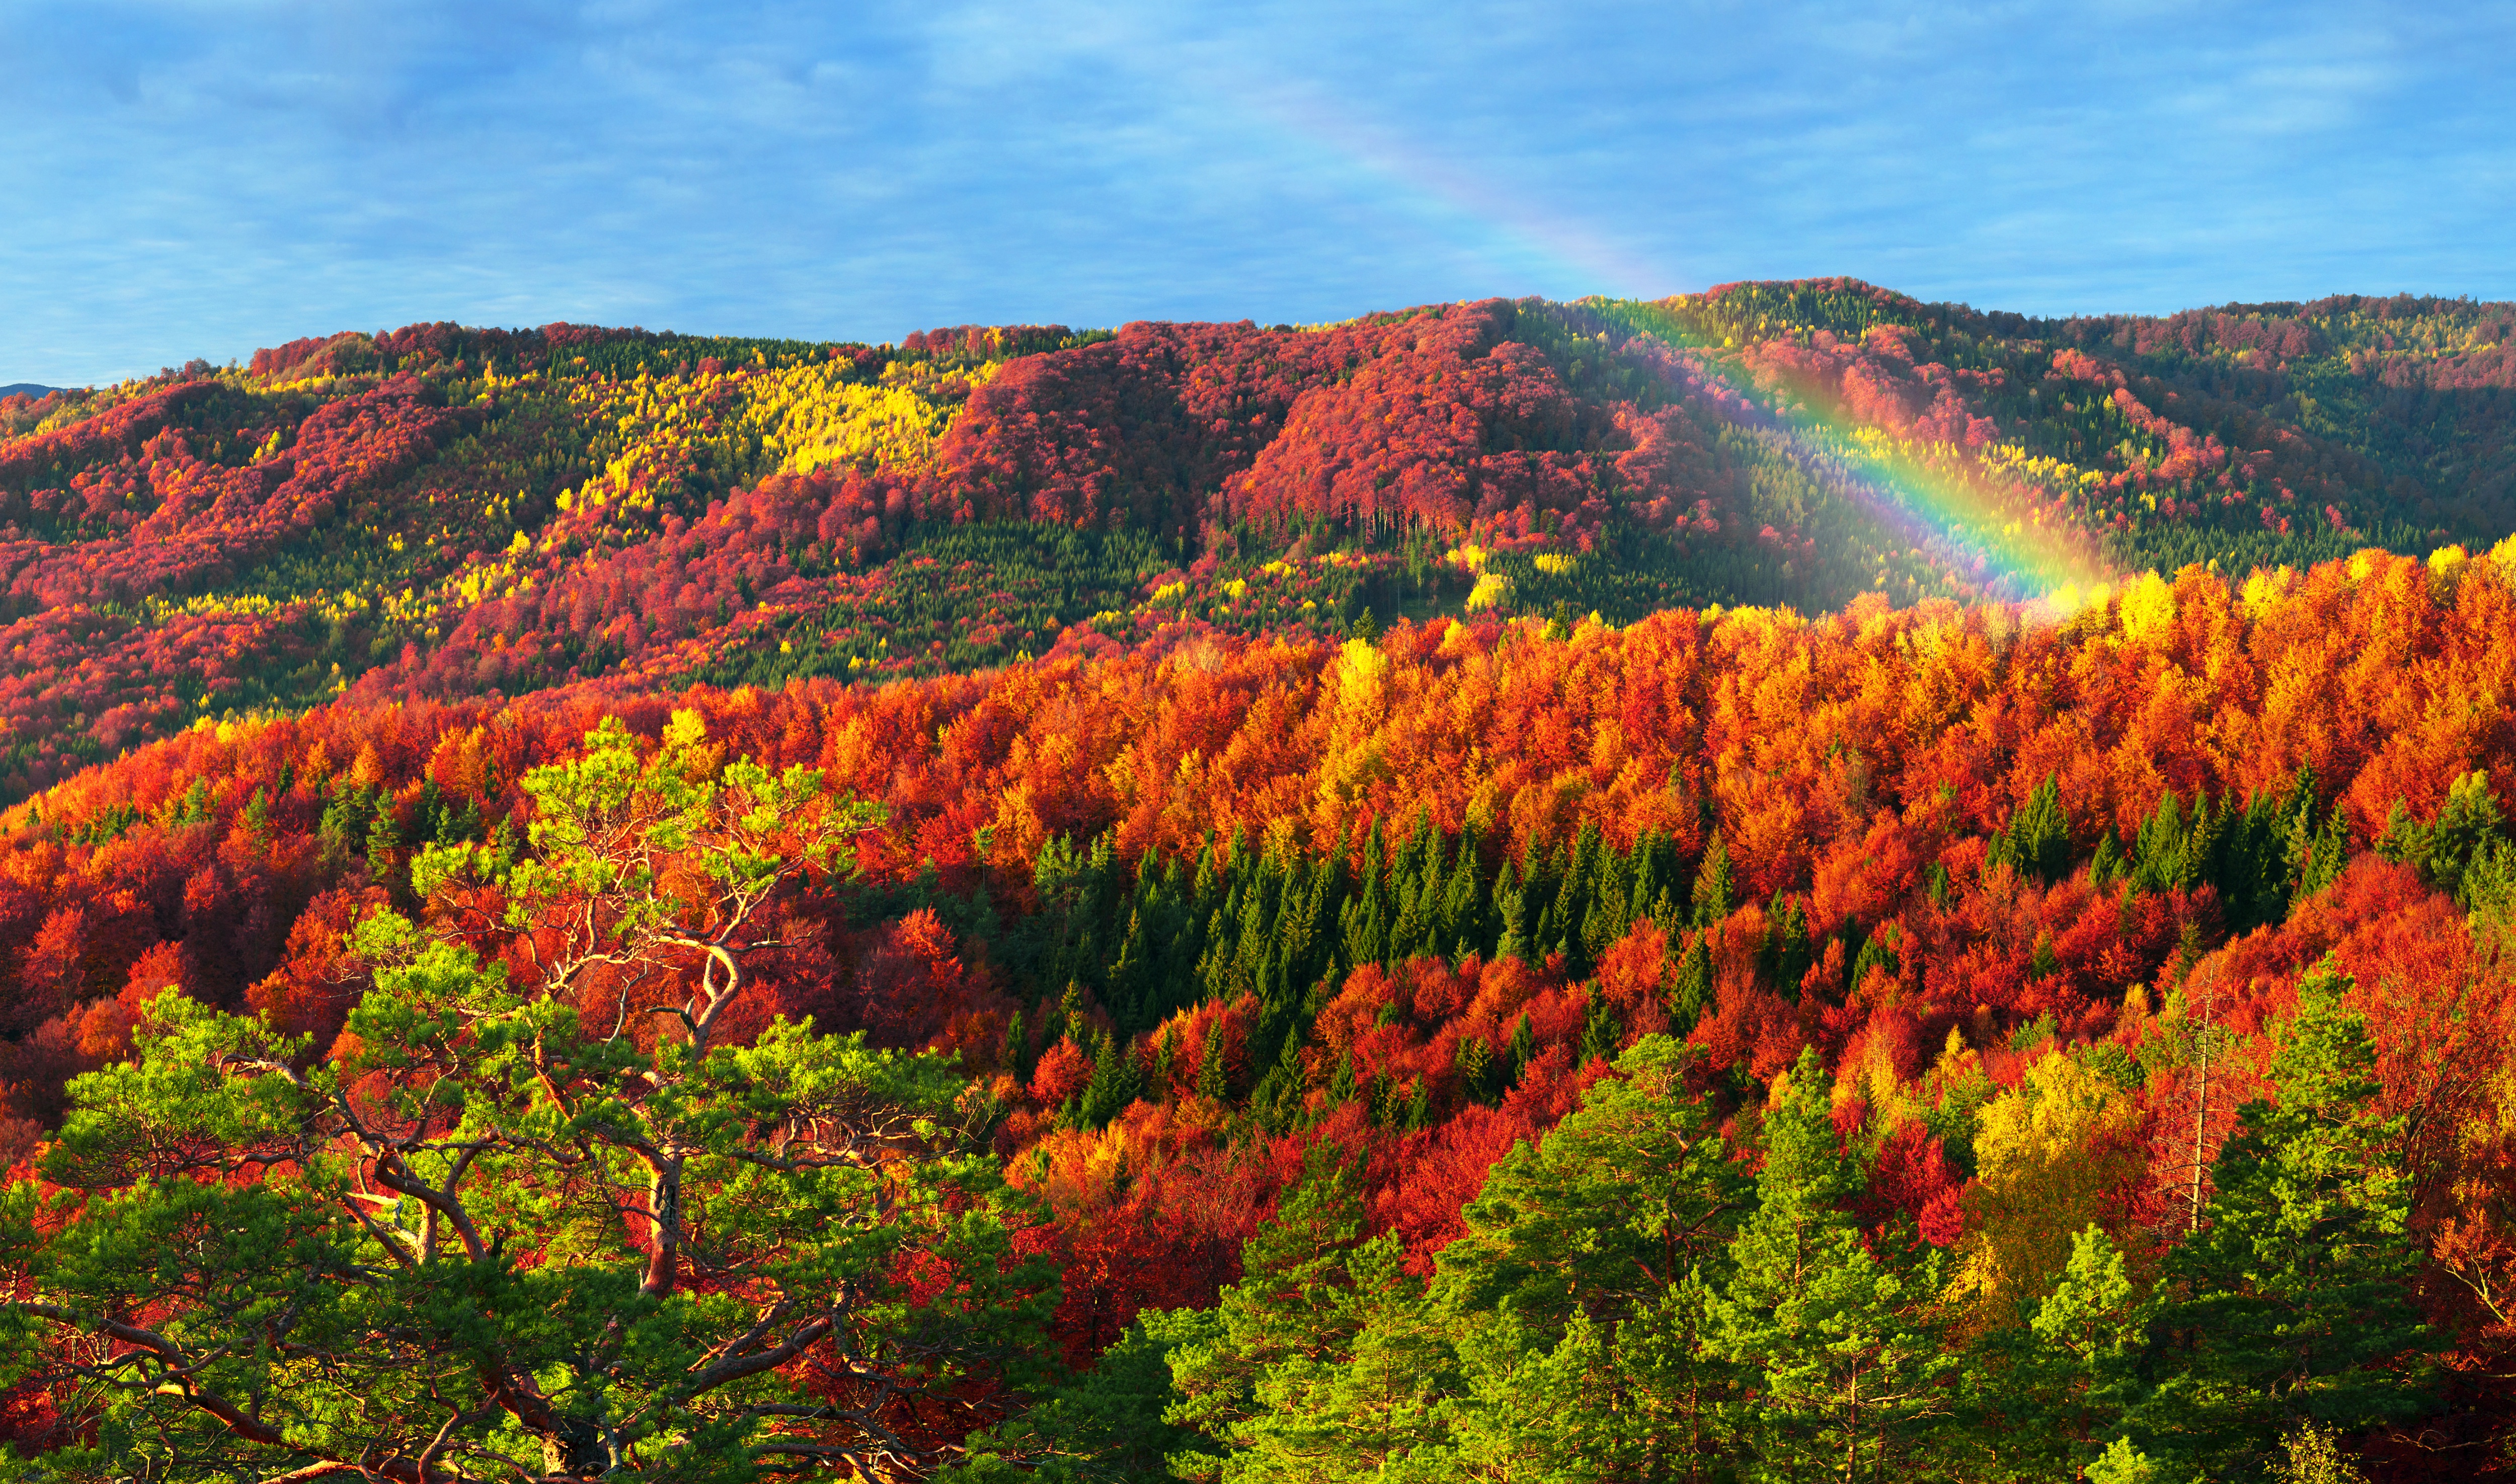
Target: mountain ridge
pixel 441 511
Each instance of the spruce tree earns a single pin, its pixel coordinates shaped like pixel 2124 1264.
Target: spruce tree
pixel 1480 1078
pixel 1213 1078
pixel 1461 918
pixel 1787 946
pixel 2294 1303
pixel 1279 1371
pixel 1838 1343
pixel 2158 855
pixel 1573 894
pixel 1510 912
pixel 2037 842
pixel 1714 896
pixel 384 845
pixel 1690 996
pixel 1278 1101
pixel 1578 1293
pixel 1601 1034
pixel 1116 1081
pixel 1015 1058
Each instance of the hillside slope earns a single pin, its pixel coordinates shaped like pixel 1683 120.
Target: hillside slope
pixel 445 512
pixel 1256 814
pixel 1185 910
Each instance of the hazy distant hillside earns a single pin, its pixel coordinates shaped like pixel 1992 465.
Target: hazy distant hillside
pixel 446 511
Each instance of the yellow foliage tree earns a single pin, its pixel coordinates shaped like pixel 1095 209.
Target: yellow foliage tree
pixel 2051 1156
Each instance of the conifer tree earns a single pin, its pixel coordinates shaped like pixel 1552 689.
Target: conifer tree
pixel 1104 1423
pixel 1362 1411
pixel 1600 1033
pixel 1690 996
pixel 1276 1102
pixel 1714 896
pixel 1116 1081
pixel 1511 912
pixel 493 1236
pixel 1283 1370
pixel 1480 1075
pixel 1786 945
pixel 2090 1327
pixel 1461 917
pixel 1631 1189
pixel 2294 1302
pixel 1838 1346
pixel 2038 840
pixel 1015 1058
pixel 2047 1398
pixel 2159 860
pixel 1574 895
pixel 1213 1077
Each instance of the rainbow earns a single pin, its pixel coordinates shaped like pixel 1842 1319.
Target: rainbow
pixel 2000 536
pixel 1578 257
pixel 1996 535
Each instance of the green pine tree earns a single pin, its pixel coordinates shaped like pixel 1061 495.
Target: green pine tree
pixel 1627 1190
pixel 1714 896
pixel 1837 1343
pixel 1015 1057
pixel 2037 842
pixel 1283 1370
pixel 1213 1075
pixel 2044 1399
pixel 2294 1301
pixel 1690 996
pixel 1116 1081
pixel 1102 1424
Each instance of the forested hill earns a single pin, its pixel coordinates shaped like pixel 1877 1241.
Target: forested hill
pixel 444 512
pixel 1779 884
pixel 1705 1048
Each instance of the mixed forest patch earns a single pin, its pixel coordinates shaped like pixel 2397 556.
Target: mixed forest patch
pixel 443 512
pixel 1457 895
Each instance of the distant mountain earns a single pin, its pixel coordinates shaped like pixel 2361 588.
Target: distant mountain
pixel 442 512
pixel 26 389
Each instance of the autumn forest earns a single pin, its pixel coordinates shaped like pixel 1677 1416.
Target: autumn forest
pixel 1778 884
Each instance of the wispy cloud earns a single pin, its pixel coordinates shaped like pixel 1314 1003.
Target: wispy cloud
pixel 199 179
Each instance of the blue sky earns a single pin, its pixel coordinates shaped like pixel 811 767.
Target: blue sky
pixel 202 179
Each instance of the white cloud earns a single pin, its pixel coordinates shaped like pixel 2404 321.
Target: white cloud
pixel 201 179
